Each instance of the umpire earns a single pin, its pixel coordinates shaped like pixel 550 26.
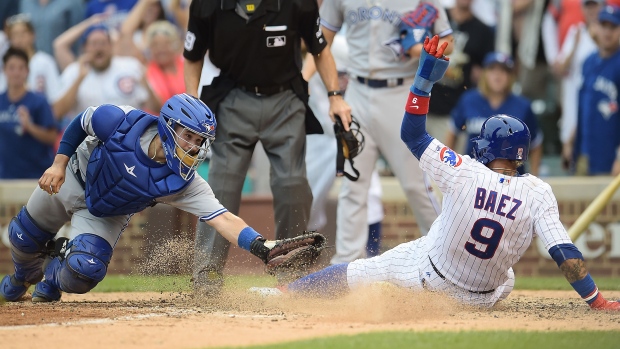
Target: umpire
pixel 259 95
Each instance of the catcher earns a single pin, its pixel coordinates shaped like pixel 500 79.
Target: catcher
pixel 114 161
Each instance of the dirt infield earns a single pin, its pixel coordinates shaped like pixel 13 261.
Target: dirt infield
pixel 177 320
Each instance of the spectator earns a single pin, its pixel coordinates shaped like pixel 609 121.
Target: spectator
pixel 472 41
pixel 161 50
pixel 63 53
pixel 493 96
pixel 27 129
pixel 259 95
pixel 559 16
pixel 44 77
pixel 50 18
pixel 99 77
pixel 578 45
pixel 597 135
pixel 133 39
pixel 115 10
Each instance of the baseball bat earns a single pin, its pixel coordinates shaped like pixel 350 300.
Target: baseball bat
pixel 595 207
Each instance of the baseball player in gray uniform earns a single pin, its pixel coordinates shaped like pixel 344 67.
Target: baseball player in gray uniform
pixel 119 161
pixel 381 69
pixel 489 217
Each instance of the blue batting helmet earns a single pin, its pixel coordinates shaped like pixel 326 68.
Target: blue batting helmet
pixel 502 137
pixel 194 116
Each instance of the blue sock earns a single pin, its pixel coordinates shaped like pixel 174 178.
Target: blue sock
pixel 374 239
pixel 246 236
pixel 330 282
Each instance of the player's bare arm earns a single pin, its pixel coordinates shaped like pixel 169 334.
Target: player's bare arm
pixel 53 178
pixel 191 73
pixel 326 67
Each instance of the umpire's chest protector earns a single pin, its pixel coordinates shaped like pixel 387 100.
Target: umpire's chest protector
pixel 120 178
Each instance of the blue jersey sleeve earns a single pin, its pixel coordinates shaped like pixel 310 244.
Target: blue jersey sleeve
pixel 532 122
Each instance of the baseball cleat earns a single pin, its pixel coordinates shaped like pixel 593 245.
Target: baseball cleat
pixel 208 282
pixel 12 289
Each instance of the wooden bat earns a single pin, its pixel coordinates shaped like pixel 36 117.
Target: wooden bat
pixel 595 207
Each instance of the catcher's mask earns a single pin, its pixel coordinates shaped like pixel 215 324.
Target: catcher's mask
pixel 350 144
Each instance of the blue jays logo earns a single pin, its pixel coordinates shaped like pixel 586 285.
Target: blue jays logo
pixel 208 127
pixel 450 157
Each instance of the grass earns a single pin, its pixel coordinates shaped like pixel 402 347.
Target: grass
pixel 459 340
pixel 176 283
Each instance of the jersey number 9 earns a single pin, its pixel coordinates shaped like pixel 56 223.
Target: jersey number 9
pixel 490 242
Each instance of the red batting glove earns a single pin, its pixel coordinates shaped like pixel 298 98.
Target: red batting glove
pixel 430 46
pixel 600 303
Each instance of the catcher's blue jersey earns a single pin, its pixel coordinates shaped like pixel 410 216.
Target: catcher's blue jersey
pixel 120 177
pixel 598 128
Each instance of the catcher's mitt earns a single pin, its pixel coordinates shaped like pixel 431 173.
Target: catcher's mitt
pixel 350 144
pixel 416 25
pixel 291 258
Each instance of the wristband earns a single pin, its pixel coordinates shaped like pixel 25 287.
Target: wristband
pixel 417 105
pixel 334 93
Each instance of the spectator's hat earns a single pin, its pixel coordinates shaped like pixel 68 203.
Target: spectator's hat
pixel 610 14
pixel 500 58
pixel 92 29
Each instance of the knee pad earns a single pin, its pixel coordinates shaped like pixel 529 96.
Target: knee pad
pixel 86 264
pixel 25 235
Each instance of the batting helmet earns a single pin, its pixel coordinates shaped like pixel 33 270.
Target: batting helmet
pixel 502 137
pixel 194 116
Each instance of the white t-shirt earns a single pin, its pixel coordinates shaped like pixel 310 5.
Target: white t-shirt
pixel 119 85
pixel 44 76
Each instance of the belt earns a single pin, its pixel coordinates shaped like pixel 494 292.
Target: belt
pixel 443 277
pixel 381 83
pixel 264 90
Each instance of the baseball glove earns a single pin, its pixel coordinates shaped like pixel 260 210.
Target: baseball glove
pixel 416 25
pixel 291 258
pixel 350 144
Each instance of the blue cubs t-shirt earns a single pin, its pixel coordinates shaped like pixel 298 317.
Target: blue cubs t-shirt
pixel 21 155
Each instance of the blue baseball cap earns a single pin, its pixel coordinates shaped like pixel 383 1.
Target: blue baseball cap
pixel 498 58
pixel 610 14
pixel 91 29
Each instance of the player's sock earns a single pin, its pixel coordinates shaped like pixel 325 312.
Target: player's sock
pixel 330 282
pixel 586 288
pixel 374 239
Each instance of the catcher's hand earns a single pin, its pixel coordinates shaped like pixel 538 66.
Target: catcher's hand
pixel 291 258
pixel 416 25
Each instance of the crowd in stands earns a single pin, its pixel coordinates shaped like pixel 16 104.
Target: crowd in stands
pixel 554 63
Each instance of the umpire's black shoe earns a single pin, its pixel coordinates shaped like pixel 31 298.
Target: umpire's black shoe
pixel 208 282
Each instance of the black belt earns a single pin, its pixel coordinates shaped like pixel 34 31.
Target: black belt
pixel 381 83
pixel 443 277
pixel 264 90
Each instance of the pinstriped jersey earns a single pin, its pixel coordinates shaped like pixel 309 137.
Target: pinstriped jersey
pixel 373 34
pixel 487 219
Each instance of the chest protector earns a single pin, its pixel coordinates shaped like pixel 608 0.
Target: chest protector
pixel 120 178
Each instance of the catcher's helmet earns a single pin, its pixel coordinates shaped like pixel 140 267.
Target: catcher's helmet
pixel 194 116
pixel 502 137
